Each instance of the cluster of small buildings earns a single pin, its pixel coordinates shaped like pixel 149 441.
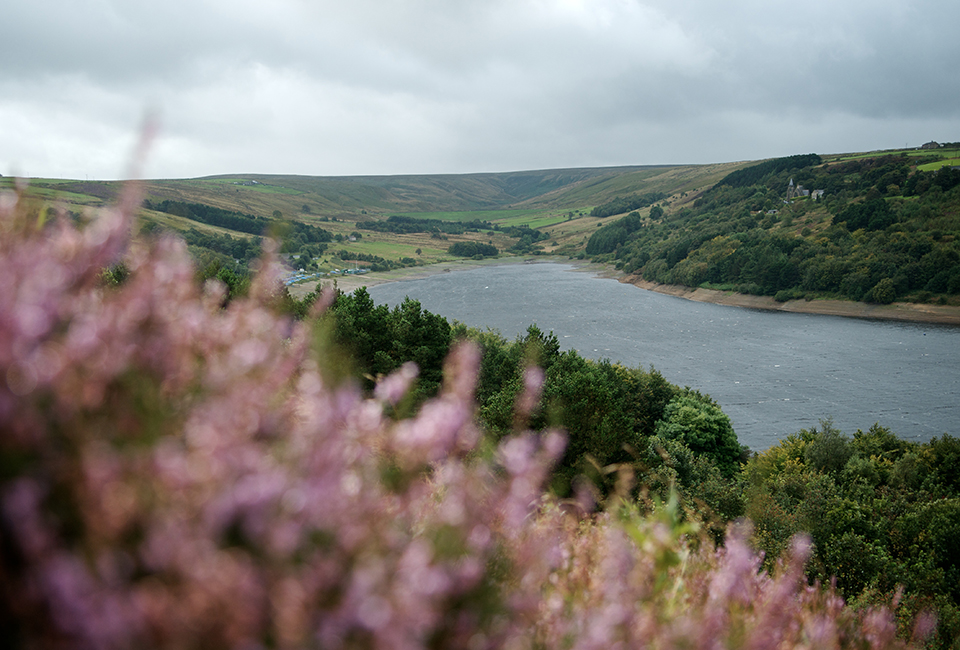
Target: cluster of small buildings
pixel 796 191
pixel 301 276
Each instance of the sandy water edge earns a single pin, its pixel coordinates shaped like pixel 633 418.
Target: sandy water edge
pixel 898 311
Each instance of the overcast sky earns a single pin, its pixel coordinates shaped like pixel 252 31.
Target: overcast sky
pixel 428 86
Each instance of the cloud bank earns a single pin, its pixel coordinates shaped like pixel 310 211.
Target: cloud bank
pixel 425 86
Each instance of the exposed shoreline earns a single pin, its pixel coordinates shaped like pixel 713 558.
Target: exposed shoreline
pixel 898 311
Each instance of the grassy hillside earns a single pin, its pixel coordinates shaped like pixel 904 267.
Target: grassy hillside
pixel 555 203
pixel 728 226
pixel 877 228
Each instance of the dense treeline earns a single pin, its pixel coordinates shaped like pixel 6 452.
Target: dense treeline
pixel 380 340
pixel 246 223
pixel 883 231
pixel 883 512
pixel 527 239
pixel 472 249
pixel 238 248
pixel 214 251
pixel 758 173
pixel 376 262
pixel 613 414
pixel 623 204
pixel 607 238
pixel 406 225
pixel 212 216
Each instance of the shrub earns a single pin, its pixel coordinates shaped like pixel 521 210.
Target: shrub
pixel 883 293
pixel 698 423
pixel 829 450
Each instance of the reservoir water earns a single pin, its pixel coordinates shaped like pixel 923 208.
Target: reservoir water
pixel 773 373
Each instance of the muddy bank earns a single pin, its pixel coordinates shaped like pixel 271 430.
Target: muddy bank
pixel 901 311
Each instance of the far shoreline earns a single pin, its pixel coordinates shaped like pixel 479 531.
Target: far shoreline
pixel 898 311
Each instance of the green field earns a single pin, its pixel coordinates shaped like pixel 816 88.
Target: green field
pixel 503 218
pixel 40 189
pixel 498 216
pixel 391 250
pixel 929 167
pixel 947 155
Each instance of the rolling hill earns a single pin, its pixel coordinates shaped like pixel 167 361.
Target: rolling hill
pixel 885 226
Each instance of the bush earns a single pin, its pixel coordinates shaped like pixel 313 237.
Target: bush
pixel 699 424
pixel 829 450
pixel 883 293
pixel 788 294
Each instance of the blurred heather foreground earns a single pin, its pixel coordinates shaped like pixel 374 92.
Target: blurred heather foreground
pixel 179 474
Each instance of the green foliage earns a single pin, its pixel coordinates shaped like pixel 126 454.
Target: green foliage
pixel 406 225
pixel 239 248
pixel 294 236
pixel 229 219
pixel 115 275
pixel 377 263
pixel 240 222
pixel 829 450
pixel 883 513
pixel 471 249
pixel 757 173
pixel 623 204
pixel 882 232
pixel 381 340
pixel 236 280
pixel 526 236
pixel 607 238
pixel 874 214
pixel 697 422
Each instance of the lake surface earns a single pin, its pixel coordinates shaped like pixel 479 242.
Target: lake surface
pixel 773 373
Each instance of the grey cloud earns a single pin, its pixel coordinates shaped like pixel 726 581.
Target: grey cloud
pixel 390 86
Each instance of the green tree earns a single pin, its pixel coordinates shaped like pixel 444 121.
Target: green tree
pixel 883 293
pixel 422 337
pixel 698 422
pixel 362 327
pixel 829 450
